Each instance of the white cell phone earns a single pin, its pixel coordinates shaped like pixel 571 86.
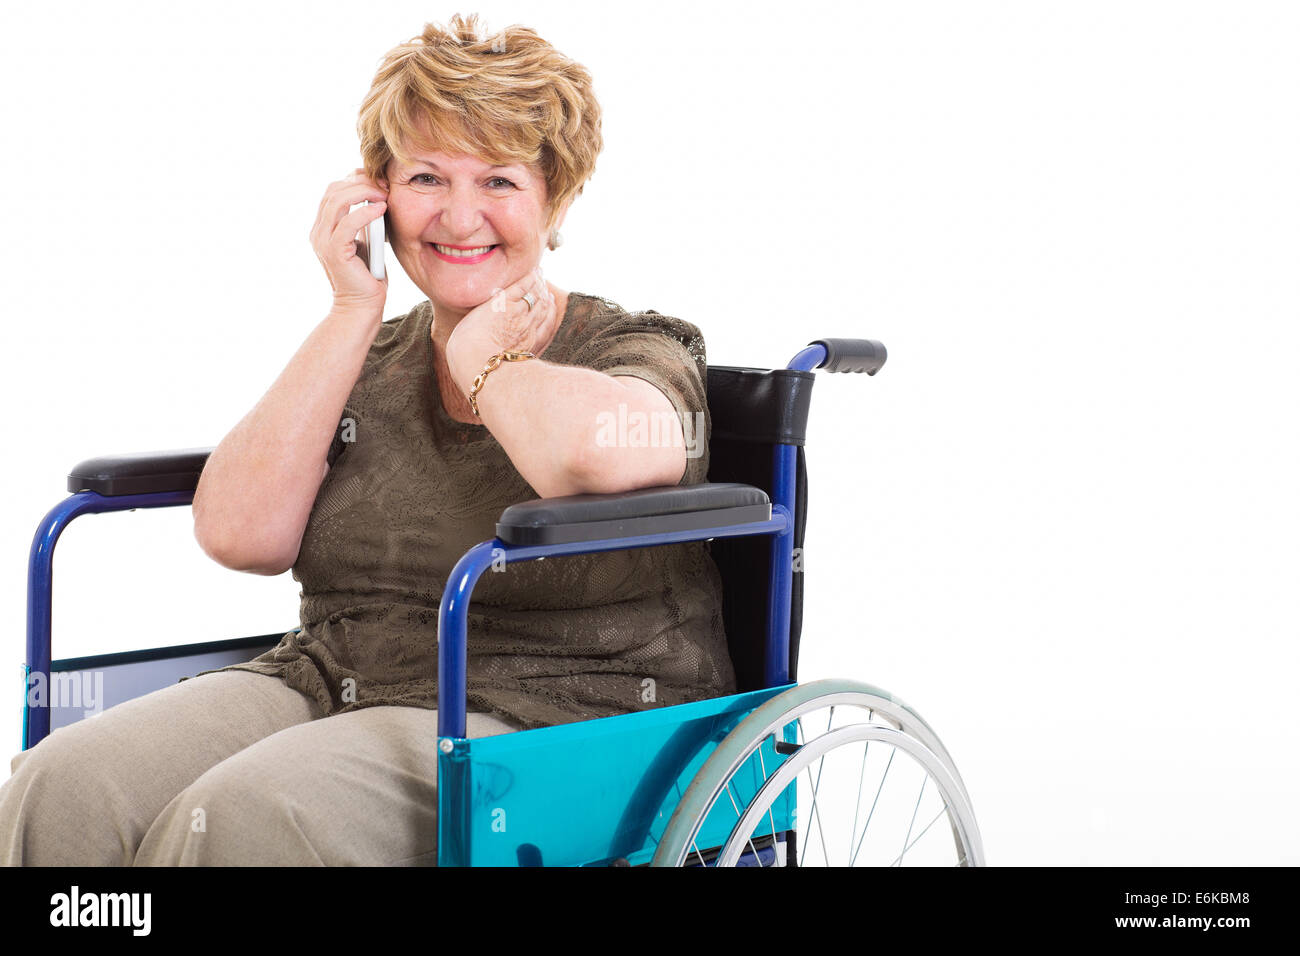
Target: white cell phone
pixel 374 243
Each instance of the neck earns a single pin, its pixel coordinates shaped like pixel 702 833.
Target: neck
pixel 444 323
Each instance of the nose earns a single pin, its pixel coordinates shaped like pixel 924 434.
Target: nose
pixel 461 214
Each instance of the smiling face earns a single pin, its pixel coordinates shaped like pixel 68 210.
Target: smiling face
pixel 463 228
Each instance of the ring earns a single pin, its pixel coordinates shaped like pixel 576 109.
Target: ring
pixel 530 299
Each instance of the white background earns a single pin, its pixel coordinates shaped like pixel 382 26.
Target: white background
pixel 1061 522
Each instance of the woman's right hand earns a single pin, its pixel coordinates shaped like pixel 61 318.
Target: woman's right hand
pixel 334 238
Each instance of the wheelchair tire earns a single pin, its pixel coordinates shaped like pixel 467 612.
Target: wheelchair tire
pixel 889 725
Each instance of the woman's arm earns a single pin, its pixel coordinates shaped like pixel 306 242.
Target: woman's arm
pixel 258 487
pixel 554 423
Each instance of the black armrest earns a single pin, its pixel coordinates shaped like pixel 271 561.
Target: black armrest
pixel 140 473
pixel 644 511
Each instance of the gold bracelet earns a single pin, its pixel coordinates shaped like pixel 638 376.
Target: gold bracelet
pixel 492 363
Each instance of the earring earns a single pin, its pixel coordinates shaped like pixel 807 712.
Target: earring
pixel 556 240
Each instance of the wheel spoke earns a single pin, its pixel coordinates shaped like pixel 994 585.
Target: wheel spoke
pixel 866 825
pixel 922 833
pixel 815 813
pixel 857 807
pixel 740 814
pixel 906 844
pixel 755 791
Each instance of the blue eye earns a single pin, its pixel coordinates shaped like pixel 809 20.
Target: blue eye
pixel 499 179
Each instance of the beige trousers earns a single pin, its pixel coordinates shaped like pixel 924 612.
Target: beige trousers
pixel 230 769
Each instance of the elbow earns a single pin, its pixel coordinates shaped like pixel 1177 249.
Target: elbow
pixel 612 470
pixel 258 540
pixel 242 553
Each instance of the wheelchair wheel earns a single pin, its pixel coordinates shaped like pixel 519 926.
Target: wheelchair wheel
pixel 867 780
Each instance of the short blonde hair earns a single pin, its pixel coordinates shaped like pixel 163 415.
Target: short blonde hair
pixel 507 98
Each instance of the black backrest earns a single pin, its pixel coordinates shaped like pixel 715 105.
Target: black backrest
pixel 752 411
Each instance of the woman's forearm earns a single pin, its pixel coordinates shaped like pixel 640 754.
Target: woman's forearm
pixel 256 491
pixel 553 423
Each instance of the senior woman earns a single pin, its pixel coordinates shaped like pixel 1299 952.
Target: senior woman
pixel 377 458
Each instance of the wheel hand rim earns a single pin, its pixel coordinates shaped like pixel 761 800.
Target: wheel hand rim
pixel 797 762
pixel 694 810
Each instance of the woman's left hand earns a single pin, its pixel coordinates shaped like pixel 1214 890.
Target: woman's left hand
pixel 503 322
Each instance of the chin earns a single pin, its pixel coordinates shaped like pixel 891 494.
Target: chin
pixel 464 298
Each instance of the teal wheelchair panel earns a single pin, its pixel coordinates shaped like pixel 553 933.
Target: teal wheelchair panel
pixel 589 792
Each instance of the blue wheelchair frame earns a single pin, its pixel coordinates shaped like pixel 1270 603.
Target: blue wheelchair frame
pixel 590 792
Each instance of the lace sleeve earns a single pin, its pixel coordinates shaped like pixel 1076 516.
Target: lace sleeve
pixel 669 354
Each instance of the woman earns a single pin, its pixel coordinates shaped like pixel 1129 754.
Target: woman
pixel 376 459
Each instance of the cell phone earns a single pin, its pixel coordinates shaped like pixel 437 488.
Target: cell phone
pixel 374 244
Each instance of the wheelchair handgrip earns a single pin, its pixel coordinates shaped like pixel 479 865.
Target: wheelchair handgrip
pixel 852 355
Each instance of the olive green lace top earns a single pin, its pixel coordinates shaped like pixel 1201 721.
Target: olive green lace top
pixel 410 490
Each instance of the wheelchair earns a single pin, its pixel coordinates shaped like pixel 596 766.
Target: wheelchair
pixel 778 774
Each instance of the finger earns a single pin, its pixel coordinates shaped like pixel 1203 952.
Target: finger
pixel 355 222
pixel 549 326
pixel 364 213
pixel 332 190
pixel 545 317
pixel 541 303
pixel 357 192
pixel 556 318
pixel 363 179
pixel 528 322
pixel 347 192
pixel 538 288
pixel 524 283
